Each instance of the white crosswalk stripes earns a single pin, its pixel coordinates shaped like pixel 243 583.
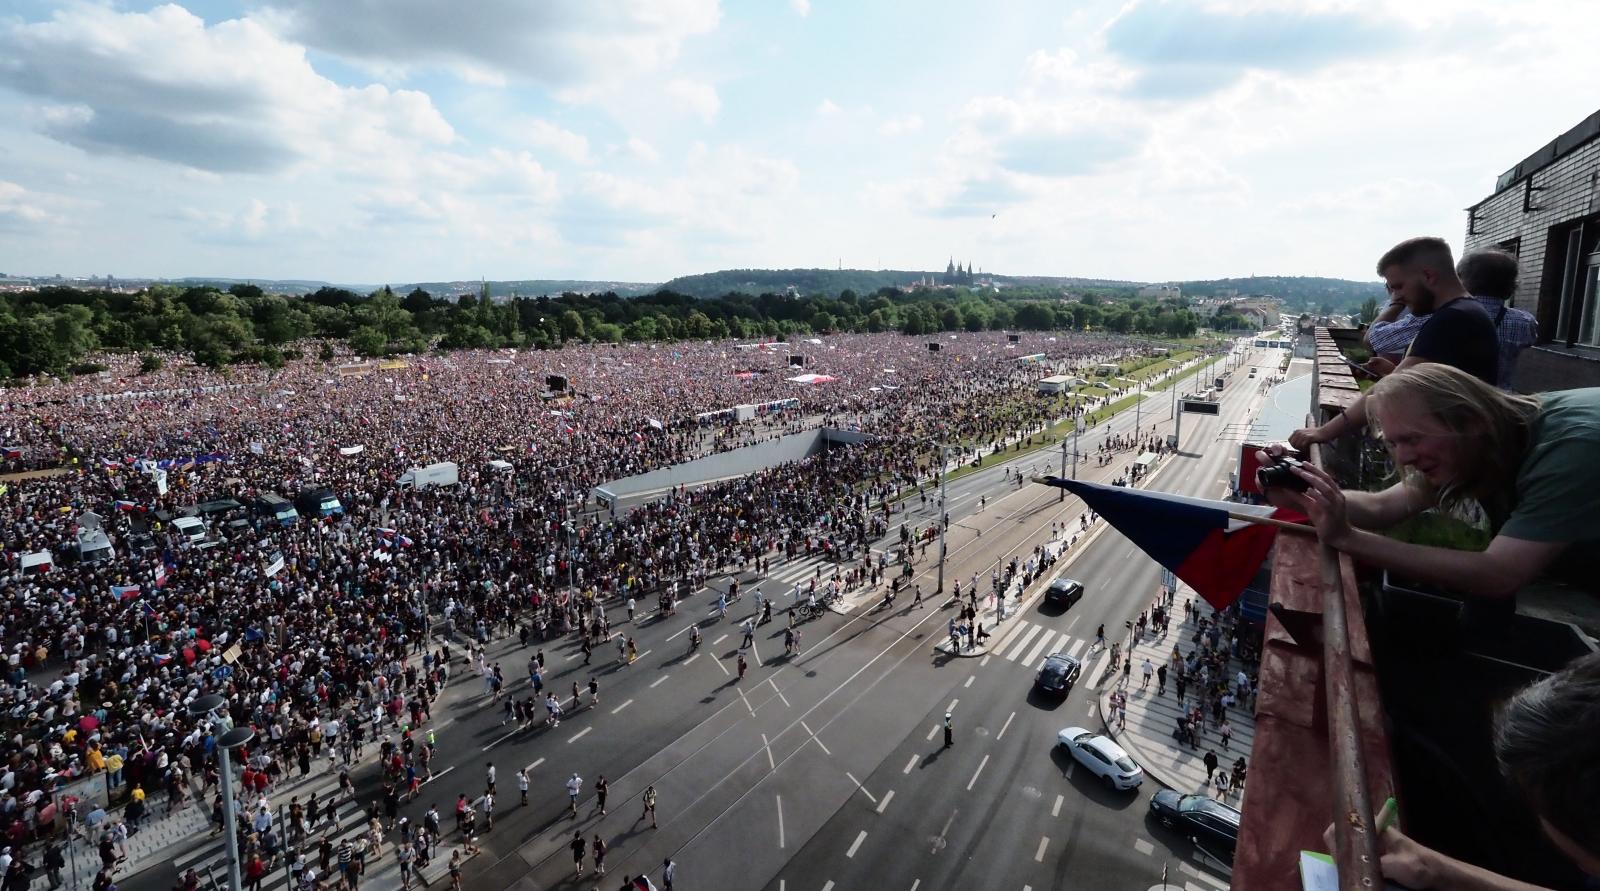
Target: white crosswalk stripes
pixel 350 821
pixel 1077 646
pixel 1023 643
pixel 1040 647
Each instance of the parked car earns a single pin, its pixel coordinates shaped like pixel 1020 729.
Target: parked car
pixel 270 504
pixel 1104 758
pixel 1058 673
pixel 1207 823
pixel 1065 592
pixel 193 529
pixel 319 502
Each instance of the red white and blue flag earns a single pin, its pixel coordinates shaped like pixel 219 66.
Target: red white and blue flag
pixel 126 505
pixel 124 592
pixel 161 574
pixel 1196 538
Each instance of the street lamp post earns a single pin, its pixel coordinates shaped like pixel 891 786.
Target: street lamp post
pixel 944 513
pixel 210 707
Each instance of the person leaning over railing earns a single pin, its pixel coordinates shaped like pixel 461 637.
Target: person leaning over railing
pixel 1547 740
pixel 1532 462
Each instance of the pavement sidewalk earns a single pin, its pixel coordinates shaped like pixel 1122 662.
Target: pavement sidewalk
pixel 1153 718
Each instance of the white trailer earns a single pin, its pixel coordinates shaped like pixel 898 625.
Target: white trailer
pixel 445 473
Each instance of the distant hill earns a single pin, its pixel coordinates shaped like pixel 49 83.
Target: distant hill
pixel 1296 291
pixel 862 281
pixel 524 287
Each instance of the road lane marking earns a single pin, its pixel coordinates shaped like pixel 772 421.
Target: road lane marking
pixel 985 660
pixel 718 663
pixel 1073 622
pixel 938 842
pixel 678 632
pixel 856 845
pixel 622 706
pixel 691 658
pixel 1070 768
pixel 1038 648
pixel 781 697
pixel 1055 810
pixel 499 741
pixel 1044 842
pixel 771 765
pixel 658 681
pixel 1004 640
pixel 861 787
pixel 1091 710
pixel 645 653
pixel 916 884
pixel 780 822
pixel 529 767
pixel 1076 648
pixel 952 706
pixel 816 739
pixel 1003 727
pixel 1143 847
pixel 912 763
pixel 829 886
pixel 747 702
pixel 885 802
pixel 932 732
pixel 970 679
pixel 580 735
pixel 974 781
pixel 719 640
pixel 1017 650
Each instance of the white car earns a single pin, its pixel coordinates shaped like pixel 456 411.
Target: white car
pixel 1103 757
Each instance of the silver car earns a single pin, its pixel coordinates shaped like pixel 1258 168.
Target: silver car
pixel 1101 756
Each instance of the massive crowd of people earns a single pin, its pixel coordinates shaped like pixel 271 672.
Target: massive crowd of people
pixel 99 672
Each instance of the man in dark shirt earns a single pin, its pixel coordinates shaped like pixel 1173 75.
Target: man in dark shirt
pixel 1421 273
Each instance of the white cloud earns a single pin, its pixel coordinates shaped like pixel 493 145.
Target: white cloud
pixel 642 150
pixel 802 8
pixel 699 98
pixel 564 143
pixel 566 46
pixel 22 209
pixel 900 124
pixel 826 108
pixel 228 98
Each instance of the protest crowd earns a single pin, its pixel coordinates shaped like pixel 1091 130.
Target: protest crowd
pixel 333 634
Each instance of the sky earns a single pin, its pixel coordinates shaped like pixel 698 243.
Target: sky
pixel 369 141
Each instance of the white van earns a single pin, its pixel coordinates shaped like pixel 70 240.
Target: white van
pixel 445 473
pixel 193 529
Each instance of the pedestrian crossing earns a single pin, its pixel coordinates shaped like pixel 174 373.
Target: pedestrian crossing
pixel 209 859
pixel 1038 642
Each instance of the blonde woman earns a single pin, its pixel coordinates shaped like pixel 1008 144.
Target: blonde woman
pixel 1531 462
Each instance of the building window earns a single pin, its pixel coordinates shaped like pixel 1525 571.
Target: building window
pixel 1578 317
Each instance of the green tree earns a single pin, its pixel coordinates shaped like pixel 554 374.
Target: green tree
pixel 571 325
pixel 823 322
pixel 1368 311
pixel 368 341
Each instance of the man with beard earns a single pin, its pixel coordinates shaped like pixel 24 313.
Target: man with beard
pixel 1420 272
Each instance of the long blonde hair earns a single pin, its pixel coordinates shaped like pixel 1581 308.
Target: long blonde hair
pixel 1500 423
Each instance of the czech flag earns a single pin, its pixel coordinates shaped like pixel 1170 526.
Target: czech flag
pixel 126 505
pixel 1215 546
pixel 163 658
pixel 124 592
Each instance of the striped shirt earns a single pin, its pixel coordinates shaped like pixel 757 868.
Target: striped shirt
pixel 1515 331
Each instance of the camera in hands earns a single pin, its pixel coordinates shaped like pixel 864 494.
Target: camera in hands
pixel 1280 474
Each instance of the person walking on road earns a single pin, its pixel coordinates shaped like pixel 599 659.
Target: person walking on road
pixel 669 871
pixel 1149 669
pixel 749 628
pixel 650 805
pixel 1211 764
pixel 601 787
pixel 574 786
pixel 522 785
pixel 949 731
pixel 742 666
pixel 917 601
pixel 631 606
pixel 1161 680
pixel 599 846
pixel 579 849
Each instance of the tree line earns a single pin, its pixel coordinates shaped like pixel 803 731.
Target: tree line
pixel 53 330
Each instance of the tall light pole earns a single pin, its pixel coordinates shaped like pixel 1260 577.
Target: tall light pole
pixel 211 709
pixel 944 514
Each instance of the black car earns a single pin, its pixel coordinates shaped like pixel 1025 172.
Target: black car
pixel 1208 823
pixel 1058 674
pixel 1065 592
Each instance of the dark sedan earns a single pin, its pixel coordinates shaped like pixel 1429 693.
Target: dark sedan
pixel 1058 674
pixel 1208 823
pixel 1064 592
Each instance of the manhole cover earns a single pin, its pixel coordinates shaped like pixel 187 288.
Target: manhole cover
pixel 939 844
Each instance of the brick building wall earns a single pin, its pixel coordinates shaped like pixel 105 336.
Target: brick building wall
pixel 1565 176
